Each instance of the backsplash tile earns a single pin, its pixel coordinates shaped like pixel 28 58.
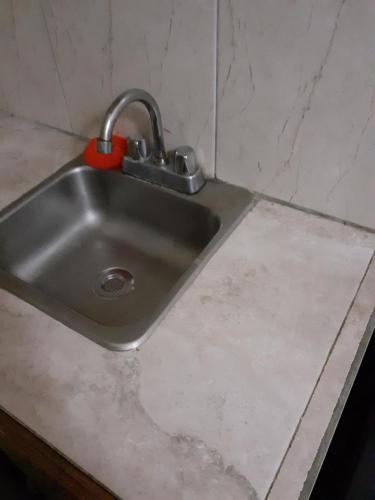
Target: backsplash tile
pixel 66 61
pixel 79 34
pixel 30 85
pixel 295 91
pixel 178 43
pixel 296 100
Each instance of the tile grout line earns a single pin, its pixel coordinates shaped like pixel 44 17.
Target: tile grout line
pixel 260 196
pixel 309 482
pixel 57 69
pixel 216 85
pixel 320 376
pixel 313 211
pixel 45 125
pixel 66 132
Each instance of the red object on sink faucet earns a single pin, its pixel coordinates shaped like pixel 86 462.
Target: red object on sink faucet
pixel 106 161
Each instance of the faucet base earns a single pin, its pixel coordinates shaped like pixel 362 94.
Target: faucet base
pixel 164 175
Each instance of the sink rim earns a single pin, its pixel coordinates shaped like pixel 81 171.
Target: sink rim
pixel 227 202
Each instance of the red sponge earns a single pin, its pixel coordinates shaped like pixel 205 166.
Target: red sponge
pixel 106 161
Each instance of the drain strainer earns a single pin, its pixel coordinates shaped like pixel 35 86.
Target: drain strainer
pixel 114 282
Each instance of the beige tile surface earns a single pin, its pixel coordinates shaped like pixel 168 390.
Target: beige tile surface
pixel 66 61
pixel 295 95
pixel 29 153
pixel 296 101
pixel 328 397
pixel 208 406
pixel 30 83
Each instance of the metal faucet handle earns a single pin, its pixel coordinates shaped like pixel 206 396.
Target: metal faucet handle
pixel 137 149
pixel 185 161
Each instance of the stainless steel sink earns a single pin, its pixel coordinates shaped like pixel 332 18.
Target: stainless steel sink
pixel 105 253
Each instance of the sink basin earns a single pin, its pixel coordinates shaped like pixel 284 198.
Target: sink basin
pixel 105 253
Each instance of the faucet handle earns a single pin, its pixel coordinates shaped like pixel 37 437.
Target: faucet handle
pixel 185 161
pixel 137 149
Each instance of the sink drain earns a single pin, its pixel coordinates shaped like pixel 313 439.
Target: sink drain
pixel 114 282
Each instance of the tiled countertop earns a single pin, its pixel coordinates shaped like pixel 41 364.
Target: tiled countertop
pixel 235 390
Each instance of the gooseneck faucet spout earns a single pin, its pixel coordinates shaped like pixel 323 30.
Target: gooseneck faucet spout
pixel 176 169
pixel 104 144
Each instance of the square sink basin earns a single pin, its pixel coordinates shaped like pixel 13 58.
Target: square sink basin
pixel 107 254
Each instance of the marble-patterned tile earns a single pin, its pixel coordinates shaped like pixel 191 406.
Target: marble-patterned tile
pixel 29 153
pixel 171 52
pixel 30 83
pixel 206 409
pixel 328 399
pixel 81 35
pixel 296 102
pixel 98 49
pixel 252 335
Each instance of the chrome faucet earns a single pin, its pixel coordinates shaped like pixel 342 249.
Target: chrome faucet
pixel 118 105
pixel 176 169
